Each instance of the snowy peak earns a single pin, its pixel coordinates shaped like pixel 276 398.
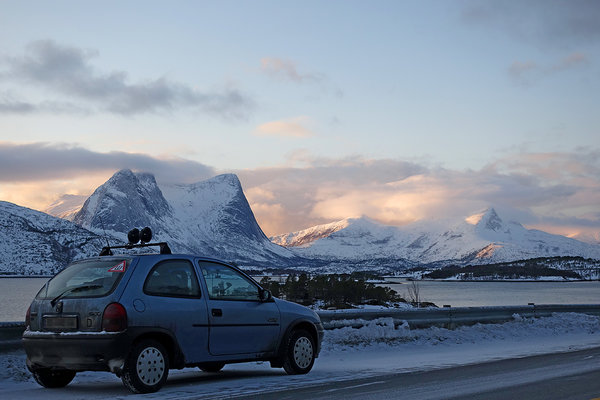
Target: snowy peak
pixel 126 200
pixel 492 221
pixel 487 219
pixel 305 237
pixel 344 228
pixel 215 207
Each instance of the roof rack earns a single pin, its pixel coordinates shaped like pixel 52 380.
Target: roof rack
pixel 164 248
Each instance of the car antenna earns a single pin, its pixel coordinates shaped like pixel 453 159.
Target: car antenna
pixel 104 230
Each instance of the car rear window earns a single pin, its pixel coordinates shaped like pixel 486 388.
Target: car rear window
pixel 89 278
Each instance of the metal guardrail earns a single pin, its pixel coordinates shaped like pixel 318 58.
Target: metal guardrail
pixel 10 335
pixel 448 317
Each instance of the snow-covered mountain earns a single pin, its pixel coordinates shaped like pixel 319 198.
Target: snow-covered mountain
pixel 32 242
pixel 66 206
pixel 211 218
pixel 305 237
pixel 481 238
pixel 125 201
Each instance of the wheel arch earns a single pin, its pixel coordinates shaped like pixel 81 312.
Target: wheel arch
pixel 167 339
pixel 305 324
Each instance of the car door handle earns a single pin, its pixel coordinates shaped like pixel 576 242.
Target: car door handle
pixel 217 312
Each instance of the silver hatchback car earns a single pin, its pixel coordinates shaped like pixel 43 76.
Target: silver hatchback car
pixel 140 315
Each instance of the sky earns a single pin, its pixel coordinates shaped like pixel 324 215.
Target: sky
pixel 397 110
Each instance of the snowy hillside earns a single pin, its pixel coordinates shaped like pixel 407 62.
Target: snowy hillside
pixel 211 218
pixel 66 206
pixel 305 237
pixel 481 238
pixel 32 242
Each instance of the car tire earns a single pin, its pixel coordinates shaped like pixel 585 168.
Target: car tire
pixel 146 368
pixel 299 354
pixel 52 379
pixel 211 367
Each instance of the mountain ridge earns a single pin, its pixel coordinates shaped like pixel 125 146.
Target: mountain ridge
pixel 34 243
pixel 483 237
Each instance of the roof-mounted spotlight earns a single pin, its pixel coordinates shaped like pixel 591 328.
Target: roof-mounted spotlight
pixel 146 235
pixel 133 236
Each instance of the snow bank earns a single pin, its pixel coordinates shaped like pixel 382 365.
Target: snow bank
pixel 381 332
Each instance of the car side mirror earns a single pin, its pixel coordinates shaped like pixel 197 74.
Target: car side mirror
pixel 265 295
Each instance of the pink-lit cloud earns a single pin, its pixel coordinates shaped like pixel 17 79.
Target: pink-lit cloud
pixel 296 127
pixel 561 190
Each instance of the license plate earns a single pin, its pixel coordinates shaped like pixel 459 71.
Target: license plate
pixel 60 322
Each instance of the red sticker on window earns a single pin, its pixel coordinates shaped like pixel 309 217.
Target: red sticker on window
pixel 120 267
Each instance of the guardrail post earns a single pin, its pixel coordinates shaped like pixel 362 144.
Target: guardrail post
pixel 450 323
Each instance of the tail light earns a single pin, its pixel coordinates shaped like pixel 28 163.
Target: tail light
pixel 114 318
pixel 28 317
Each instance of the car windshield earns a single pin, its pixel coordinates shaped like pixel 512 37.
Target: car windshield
pixel 90 278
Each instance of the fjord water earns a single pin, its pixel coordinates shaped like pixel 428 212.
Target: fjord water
pixel 16 293
pixel 474 294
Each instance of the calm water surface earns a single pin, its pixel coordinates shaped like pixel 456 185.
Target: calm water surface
pixel 16 293
pixel 473 294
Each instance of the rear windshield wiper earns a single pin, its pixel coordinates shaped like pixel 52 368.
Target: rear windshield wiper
pixel 72 290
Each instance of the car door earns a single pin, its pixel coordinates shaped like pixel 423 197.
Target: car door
pixel 172 300
pixel 239 322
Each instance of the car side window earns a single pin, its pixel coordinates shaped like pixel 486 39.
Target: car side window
pixel 172 278
pixel 225 283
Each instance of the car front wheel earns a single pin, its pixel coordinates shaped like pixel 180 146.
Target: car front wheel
pixel 300 353
pixel 53 378
pixel 146 368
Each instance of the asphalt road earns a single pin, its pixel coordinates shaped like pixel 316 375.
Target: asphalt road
pixel 564 376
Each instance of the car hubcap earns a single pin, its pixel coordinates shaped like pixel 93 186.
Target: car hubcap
pixel 303 352
pixel 150 366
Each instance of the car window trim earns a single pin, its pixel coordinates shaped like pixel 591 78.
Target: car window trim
pixel 244 275
pixel 176 296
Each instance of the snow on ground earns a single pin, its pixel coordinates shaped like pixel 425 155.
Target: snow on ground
pixel 375 349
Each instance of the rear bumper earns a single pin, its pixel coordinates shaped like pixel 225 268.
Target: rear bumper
pixel 76 351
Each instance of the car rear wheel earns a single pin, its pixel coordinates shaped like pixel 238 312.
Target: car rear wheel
pixel 211 367
pixel 146 368
pixel 53 378
pixel 299 353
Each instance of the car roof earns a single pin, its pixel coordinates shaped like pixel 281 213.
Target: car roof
pixel 156 255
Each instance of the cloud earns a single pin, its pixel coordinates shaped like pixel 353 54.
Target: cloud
pixel 45 162
pixel 68 71
pixel 287 70
pixel 10 105
pixel 571 61
pixel 561 190
pixel 529 71
pixel 291 127
pixel 554 23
